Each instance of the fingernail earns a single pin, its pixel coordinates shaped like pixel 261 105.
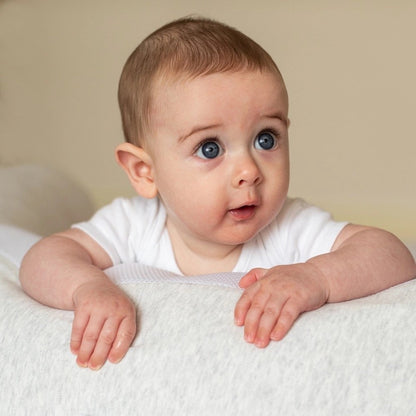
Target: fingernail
pixel 261 343
pixel 83 365
pixel 114 361
pixel 276 337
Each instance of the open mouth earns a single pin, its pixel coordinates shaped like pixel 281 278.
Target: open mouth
pixel 243 213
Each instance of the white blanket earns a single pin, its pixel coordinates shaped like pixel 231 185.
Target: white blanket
pixel 353 358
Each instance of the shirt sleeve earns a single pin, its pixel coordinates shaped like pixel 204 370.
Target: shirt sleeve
pixel 305 231
pixel 111 227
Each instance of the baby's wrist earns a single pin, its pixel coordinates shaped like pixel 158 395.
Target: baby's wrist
pixel 87 288
pixel 315 272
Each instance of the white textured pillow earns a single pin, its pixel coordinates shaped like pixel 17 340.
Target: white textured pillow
pixel 41 199
pixel 352 358
pixel 190 359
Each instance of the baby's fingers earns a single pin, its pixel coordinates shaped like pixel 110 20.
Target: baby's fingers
pixel 268 321
pixel 243 305
pixel 89 338
pixel 103 344
pixel 288 315
pixel 249 310
pixel 252 277
pixel 78 327
pixel 125 335
pixel 278 317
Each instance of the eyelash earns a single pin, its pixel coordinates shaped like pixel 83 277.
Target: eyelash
pixel 207 140
pixel 273 132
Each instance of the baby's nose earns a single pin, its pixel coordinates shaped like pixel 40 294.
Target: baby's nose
pixel 246 173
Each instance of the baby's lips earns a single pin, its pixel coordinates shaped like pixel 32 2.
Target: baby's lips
pixel 243 213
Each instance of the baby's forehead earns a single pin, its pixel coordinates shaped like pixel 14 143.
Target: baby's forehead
pixel 201 96
pixel 165 80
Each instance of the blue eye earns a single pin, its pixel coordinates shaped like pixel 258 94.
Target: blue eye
pixel 265 141
pixel 209 150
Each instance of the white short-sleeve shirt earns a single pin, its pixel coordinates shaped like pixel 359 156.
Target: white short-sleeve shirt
pixel 134 230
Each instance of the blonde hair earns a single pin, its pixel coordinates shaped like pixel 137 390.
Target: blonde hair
pixel 188 47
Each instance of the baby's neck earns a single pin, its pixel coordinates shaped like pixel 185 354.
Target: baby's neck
pixel 191 263
pixel 203 257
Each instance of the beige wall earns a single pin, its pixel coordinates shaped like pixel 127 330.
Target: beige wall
pixel 349 66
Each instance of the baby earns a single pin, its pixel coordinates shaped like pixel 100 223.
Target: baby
pixel 205 117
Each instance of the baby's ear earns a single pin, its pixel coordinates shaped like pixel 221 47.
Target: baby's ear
pixel 138 166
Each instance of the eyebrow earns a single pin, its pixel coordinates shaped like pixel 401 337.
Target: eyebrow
pixel 278 116
pixel 197 129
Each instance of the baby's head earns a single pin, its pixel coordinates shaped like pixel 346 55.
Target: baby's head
pixel 185 48
pixel 205 118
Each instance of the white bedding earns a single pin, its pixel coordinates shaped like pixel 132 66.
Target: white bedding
pixel 354 358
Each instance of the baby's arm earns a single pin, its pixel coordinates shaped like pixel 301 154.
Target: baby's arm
pixel 362 261
pixel 65 271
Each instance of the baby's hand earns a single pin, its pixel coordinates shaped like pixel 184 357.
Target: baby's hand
pixel 274 298
pixel 104 324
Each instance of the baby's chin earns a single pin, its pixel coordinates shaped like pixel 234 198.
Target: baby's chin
pixel 240 236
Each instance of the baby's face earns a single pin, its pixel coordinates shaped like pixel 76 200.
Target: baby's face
pixel 219 146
